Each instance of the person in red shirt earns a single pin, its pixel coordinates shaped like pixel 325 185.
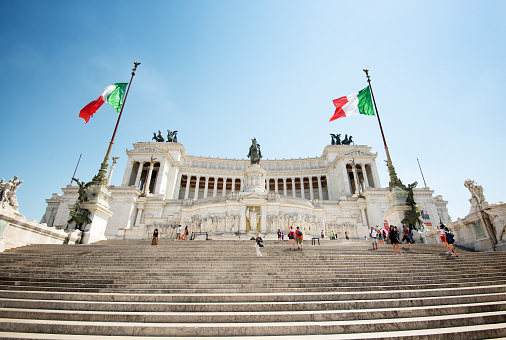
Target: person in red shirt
pixel 298 238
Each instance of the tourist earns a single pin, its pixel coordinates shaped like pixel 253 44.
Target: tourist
pixel 332 235
pixel 291 238
pixel 450 239
pixel 442 236
pixel 258 243
pixel 374 238
pixel 155 238
pixel 282 236
pixel 186 233
pixel 178 232
pixel 380 236
pixel 405 233
pixel 393 235
pixel 279 235
pixel 322 235
pixel 346 235
pixel 298 238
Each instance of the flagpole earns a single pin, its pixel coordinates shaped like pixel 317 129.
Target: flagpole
pixel 100 177
pixel 73 176
pixel 394 180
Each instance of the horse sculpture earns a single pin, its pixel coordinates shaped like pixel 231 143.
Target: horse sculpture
pixel 254 152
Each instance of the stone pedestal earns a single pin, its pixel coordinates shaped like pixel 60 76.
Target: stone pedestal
pixel 98 206
pixel 396 206
pixel 254 179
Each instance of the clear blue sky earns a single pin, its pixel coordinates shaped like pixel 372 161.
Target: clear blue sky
pixel 223 72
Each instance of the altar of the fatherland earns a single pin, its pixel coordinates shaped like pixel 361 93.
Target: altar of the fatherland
pixel 163 187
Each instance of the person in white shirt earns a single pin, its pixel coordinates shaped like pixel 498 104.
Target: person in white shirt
pixel 374 238
pixel 178 232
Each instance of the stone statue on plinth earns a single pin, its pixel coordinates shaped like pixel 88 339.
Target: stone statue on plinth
pixel 8 193
pixel 477 197
pixel 254 152
pixel 253 217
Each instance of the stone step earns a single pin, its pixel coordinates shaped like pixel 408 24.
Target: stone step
pixel 287 295
pixel 248 328
pixel 220 288
pixel 487 331
pixel 263 316
pixel 232 288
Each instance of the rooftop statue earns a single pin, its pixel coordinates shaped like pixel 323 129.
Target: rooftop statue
pixel 8 193
pixel 336 139
pixel 254 152
pixel 159 137
pixel 172 136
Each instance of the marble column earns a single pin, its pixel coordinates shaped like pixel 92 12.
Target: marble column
pixel 148 180
pixel 139 172
pixel 206 187
pixel 311 193
pixel 224 186
pixel 215 189
pixel 276 185
pixel 285 189
pixel 197 184
pixel 364 174
pixel 233 184
pixel 320 191
pixel 187 188
pixel 302 194
pixel 355 177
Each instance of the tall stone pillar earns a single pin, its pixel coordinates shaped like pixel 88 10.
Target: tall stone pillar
pixel 148 179
pixel 206 185
pixel 364 174
pixel 215 188
pixel 311 193
pixel 242 226
pixel 320 191
pixel 187 187
pixel 294 192
pixel 139 173
pixel 285 191
pixel 302 194
pixel 233 184
pixel 197 184
pixel 355 178
pixel 263 218
pixel 276 185
pixel 98 207
pixel 224 189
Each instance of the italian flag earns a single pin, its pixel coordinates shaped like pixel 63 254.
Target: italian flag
pixel 358 103
pixel 113 94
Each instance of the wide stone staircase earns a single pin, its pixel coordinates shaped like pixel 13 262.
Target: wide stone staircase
pixel 220 289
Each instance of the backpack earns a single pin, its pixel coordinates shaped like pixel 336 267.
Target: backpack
pixel 299 233
pixel 450 238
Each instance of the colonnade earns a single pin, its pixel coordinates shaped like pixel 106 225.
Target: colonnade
pixel 145 172
pixel 360 176
pixel 307 187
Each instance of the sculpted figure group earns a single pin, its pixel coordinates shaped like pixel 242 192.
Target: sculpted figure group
pixel 336 139
pixel 8 192
pixel 171 137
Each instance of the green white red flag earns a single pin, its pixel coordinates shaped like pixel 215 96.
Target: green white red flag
pixel 113 94
pixel 357 103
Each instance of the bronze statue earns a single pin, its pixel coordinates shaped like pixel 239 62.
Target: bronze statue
pixel 411 217
pixel 336 139
pixel 172 136
pixel 83 197
pixel 254 152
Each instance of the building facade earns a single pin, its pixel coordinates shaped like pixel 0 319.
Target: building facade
pixel 163 187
